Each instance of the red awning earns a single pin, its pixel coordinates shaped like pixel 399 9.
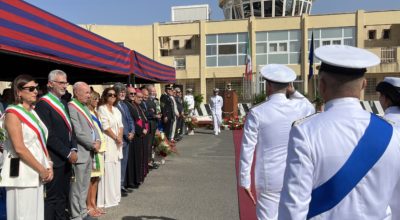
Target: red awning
pixel 43 41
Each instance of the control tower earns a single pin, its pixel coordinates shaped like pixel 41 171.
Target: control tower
pixel 239 9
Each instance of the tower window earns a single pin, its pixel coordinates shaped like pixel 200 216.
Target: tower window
pixel 372 34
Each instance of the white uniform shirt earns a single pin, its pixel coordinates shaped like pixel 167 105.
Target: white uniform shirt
pixel 318 148
pixel 189 99
pixel 393 115
pixel 216 103
pixel 267 130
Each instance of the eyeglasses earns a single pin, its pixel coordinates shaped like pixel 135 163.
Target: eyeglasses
pixel 61 82
pixel 132 93
pixel 111 95
pixel 31 88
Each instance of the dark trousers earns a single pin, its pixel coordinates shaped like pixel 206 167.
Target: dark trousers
pixel 168 128
pixel 153 129
pixel 124 161
pixel 57 192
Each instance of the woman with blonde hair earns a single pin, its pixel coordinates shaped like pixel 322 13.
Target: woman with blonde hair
pixel 27 165
pixel 98 160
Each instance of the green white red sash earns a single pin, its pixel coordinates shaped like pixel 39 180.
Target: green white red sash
pixel 32 121
pixel 55 103
pixel 80 108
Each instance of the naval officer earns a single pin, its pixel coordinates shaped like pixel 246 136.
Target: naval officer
pixel 389 98
pixel 342 163
pixel 267 131
pixel 216 103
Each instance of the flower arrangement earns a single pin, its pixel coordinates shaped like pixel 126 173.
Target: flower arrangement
pixel 234 123
pixel 163 147
pixel 191 122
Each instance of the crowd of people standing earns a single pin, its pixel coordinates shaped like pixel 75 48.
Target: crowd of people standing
pixel 73 157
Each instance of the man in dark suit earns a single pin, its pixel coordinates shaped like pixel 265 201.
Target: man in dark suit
pixel 167 111
pixel 179 119
pixel 61 144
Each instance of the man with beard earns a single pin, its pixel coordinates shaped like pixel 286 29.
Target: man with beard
pixel 128 133
pixel 88 142
pixel 61 144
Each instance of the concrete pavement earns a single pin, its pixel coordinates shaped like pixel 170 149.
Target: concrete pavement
pixel 200 183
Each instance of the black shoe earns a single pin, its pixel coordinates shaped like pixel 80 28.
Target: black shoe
pixel 123 189
pixel 124 194
pixel 155 166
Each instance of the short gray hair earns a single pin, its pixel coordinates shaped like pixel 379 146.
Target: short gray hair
pixel 77 85
pixel 119 87
pixel 54 73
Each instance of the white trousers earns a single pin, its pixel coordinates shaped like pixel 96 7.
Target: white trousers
pixel 217 120
pixel 109 191
pixel 267 205
pixel 25 203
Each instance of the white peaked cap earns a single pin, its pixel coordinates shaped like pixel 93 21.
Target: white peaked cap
pixel 346 56
pixel 278 73
pixel 394 81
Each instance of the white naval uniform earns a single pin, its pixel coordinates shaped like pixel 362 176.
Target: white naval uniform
pixel 393 115
pixel 267 130
pixel 318 148
pixel 216 103
pixel 189 99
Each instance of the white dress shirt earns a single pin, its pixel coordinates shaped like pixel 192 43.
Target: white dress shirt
pixel 318 148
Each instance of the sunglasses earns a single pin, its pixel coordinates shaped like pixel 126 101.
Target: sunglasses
pixel 31 88
pixel 111 95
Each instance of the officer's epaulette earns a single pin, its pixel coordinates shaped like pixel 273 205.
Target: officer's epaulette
pixel 301 120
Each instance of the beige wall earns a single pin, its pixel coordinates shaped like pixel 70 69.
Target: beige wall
pixel 146 40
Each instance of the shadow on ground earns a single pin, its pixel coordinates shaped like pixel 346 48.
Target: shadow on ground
pixel 147 217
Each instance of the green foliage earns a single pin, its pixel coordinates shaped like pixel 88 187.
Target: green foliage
pixel 185 108
pixel 198 99
pixel 318 101
pixel 259 98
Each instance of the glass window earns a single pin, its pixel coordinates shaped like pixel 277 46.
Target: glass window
pixel 326 42
pixel 273 47
pixel 211 61
pixel 348 32
pixel 261 36
pixel 211 39
pixel 386 34
pixel 242 59
pixel 268 8
pixel 211 50
pixel 316 34
pixel 336 42
pixel 242 48
pixel 227 38
pixel 277 36
pixel 278 58
pixel 227 60
pixel 242 37
pixel 349 42
pixel 331 33
pixel 257 9
pixel 246 10
pixel 294 35
pixel 295 46
pixel 371 34
pixel 282 47
pixel 261 48
pixel 227 49
pixel 294 58
pixel 261 59
pixel 278 8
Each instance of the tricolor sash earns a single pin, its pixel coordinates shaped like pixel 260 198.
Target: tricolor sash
pixel 368 151
pixel 32 121
pixel 80 108
pixel 55 103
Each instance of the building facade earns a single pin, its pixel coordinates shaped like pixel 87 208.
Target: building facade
pixel 210 54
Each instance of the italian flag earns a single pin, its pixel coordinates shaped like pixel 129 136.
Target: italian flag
pixel 249 72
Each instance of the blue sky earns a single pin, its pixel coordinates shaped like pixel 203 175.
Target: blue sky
pixel 144 12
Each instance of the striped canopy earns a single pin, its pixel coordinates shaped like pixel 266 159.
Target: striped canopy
pixel 31 32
